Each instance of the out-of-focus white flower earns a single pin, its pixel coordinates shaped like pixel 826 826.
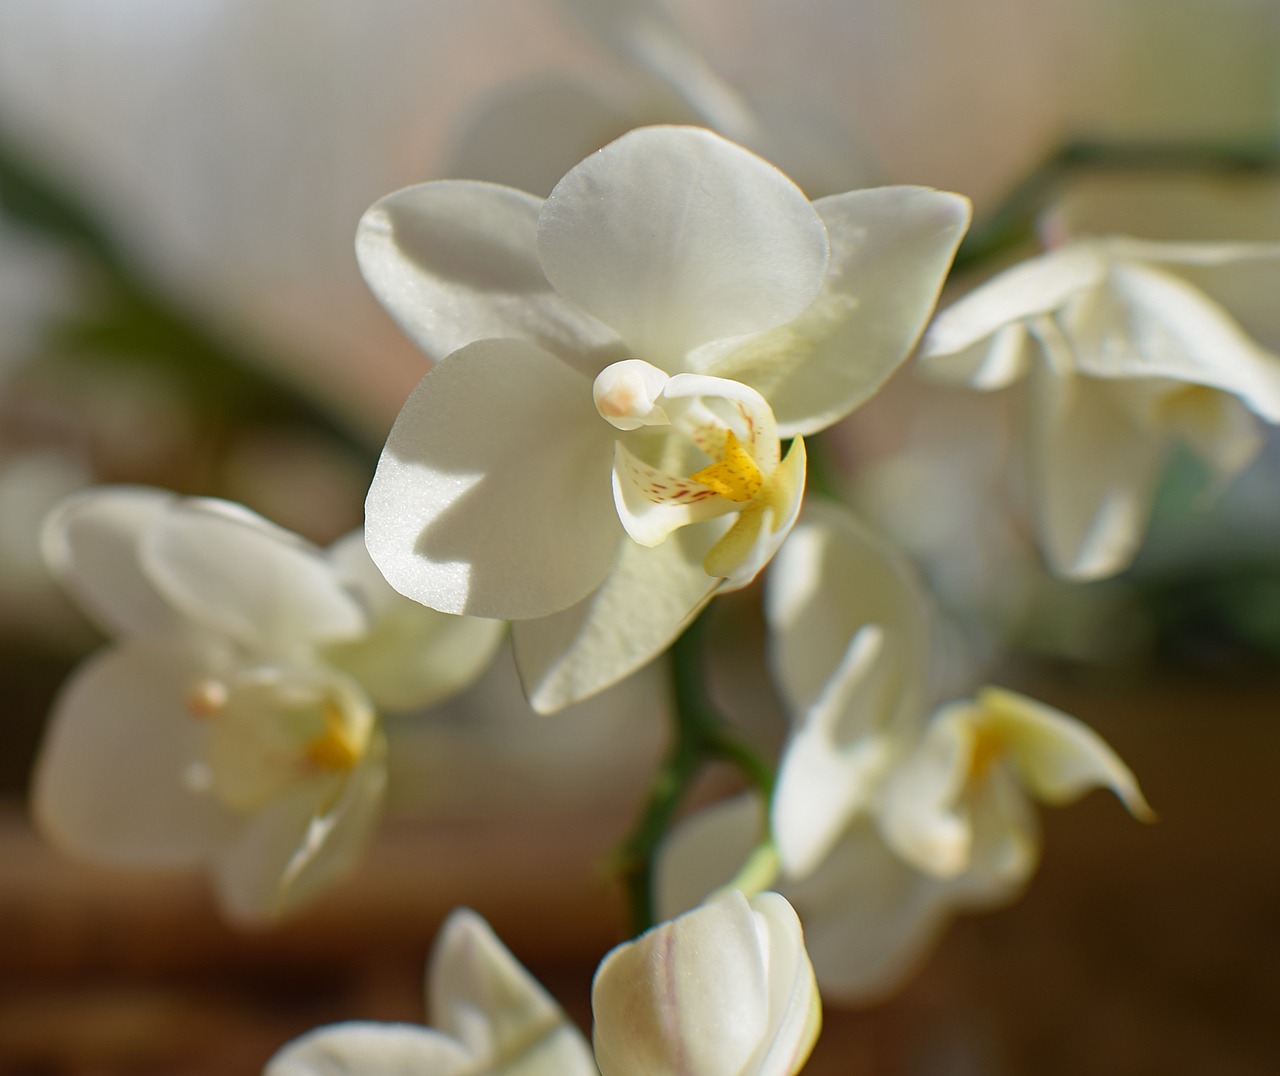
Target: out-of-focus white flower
pixel 489 1016
pixel 886 822
pixel 233 723
pixel 724 990
pixel 1122 358
pixel 528 133
pixel 617 363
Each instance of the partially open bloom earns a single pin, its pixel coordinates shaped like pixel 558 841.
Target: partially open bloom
pixel 887 820
pixel 489 1016
pixel 233 723
pixel 1123 358
pixel 726 990
pixel 599 448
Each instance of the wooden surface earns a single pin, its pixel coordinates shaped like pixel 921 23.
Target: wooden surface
pixel 1138 949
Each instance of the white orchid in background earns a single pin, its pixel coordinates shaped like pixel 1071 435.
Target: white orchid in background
pixel 726 990
pixel 529 132
pixel 598 449
pixel 233 724
pixel 1123 358
pixel 886 822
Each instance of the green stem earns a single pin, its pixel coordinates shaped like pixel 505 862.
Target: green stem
pixel 700 735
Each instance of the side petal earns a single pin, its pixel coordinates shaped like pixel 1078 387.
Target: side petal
pixel 368 1049
pixel 411 656
pixel 870 920
pixel 482 996
pixel 493 494
pixel 1030 289
pixel 674 237
pixel 111 781
pixel 1057 757
pixel 1148 323
pixel 90 542
pixel 649 597
pixel 231 571
pixel 822 784
pixel 891 248
pixel 1093 470
pixel 455 262
pixel 286 855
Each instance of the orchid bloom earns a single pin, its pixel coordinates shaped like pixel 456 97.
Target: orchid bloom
pixel 598 448
pixel 233 722
pixel 726 990
pixel 886 821
pixel 490 1015
pixel 1123 357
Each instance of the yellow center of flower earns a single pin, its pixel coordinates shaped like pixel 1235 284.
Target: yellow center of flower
pixel 271 728
pixel 988 748
pixel 734 476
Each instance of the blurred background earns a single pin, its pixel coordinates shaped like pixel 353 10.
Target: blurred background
pixel 180 306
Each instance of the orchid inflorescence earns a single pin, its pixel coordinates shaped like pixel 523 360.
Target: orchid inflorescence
pixel 631 381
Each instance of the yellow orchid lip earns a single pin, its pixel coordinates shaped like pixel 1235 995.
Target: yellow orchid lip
pixel 735 476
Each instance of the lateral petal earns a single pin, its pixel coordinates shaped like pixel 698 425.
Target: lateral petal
pixel 891 248
pixel 493 494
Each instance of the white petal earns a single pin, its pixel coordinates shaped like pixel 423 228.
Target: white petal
pixel 922 814
pixel 91 541
pixel 648 598
pixel 1148 323
pixel 795 1011
pixel 1057 757
pixel 493 495
pixel 831 578
pixel 109 784
pixel 411 656
pixel 891 248
pixel 1093 469
pixel 869 919
pixel 1029 289
pixel 231 571
pixel 705 851
pixel 690 996
pixel 455 262
pixel 368 1049
pixel 1128 248
pixel 674 237
pixel 289 853
pixel 821 783
pixel 480 994
pixel 1006 841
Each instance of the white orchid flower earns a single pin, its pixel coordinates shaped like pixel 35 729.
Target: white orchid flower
pixel 221 728
pixel 886 822
pixel 598 449
pixel 489 1014
pixel 724 990
pixel 1123 358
